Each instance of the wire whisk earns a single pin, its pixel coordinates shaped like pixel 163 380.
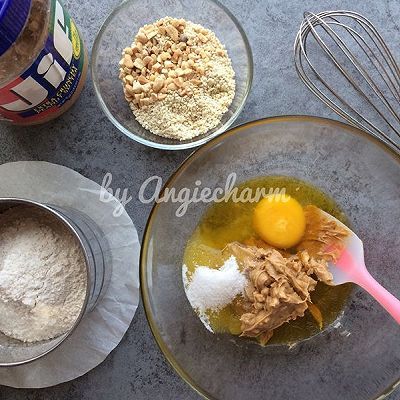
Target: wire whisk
pixel 345 62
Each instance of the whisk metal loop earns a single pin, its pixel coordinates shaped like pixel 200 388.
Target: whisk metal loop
pixel 349 41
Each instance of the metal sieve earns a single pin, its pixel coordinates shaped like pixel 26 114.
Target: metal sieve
pixel 95 249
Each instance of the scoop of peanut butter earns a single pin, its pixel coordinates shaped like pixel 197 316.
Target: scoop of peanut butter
pixel 280 283
pixel 279 287
pixel 323 237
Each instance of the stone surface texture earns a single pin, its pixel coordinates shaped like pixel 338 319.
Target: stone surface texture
pixel 85 140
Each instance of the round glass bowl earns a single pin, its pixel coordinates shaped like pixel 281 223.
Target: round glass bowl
pixel 357 358
pixel 118 32
pixel 14 352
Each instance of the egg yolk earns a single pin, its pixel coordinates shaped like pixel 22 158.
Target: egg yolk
pixel 279 221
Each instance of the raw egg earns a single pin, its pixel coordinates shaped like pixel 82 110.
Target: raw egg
pixel 279 221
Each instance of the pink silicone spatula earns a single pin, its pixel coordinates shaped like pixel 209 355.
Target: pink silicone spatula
pixel 350 267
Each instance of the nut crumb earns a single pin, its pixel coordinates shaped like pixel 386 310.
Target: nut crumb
pixel 178 78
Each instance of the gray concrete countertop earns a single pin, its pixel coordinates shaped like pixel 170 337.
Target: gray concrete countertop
pixel 84 139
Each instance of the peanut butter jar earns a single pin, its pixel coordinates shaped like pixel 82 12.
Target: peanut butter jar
pixel 43 61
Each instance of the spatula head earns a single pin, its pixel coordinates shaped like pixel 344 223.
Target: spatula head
pixel 346 267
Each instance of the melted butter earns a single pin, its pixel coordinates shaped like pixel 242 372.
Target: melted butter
pixel 227 222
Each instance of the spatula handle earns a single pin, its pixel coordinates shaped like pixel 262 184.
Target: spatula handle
pixel 390 303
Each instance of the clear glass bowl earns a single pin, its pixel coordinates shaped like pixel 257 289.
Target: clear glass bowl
pixel 357 357
pixel 118 32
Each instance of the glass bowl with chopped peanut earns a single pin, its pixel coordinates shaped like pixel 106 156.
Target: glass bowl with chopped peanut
pixel 172 74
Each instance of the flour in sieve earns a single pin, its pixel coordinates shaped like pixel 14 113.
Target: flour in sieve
pixel 42 275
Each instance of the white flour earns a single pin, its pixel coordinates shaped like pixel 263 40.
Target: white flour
pixel 42 276
pixel 211 289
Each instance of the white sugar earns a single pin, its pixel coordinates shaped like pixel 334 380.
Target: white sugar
pixel 211 289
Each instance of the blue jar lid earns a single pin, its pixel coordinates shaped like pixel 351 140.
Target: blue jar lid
pixel 13 16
